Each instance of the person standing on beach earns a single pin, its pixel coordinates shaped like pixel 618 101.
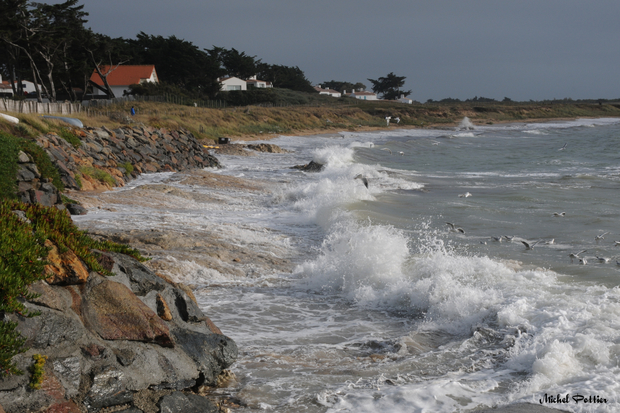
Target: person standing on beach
pixel 133 111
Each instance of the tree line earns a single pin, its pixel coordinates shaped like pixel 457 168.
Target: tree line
pixel 51 46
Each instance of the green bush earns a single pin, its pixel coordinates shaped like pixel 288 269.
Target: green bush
pixel 42 160
pixel 128 167
pixel 98 174
pixel 70 137
pixel 9 149
pixel 37 371
pixel 22 259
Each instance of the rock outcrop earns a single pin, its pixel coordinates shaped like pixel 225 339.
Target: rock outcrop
pixel 109 343
pixel 31 187
pixel 124 153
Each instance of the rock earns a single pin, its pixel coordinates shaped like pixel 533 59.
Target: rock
pixel 310 167
pixel 105 347
pixel 111 310
pixel 49 296
pixel 22 216
pixel 50 329
pixel 108 389
pixel 163 311
pixel 142 279
pixel 178 402
pixel 267 147
pixel 75 209
pixel 213 352
pixel 66 268
pixel 23 157
pixel 68 370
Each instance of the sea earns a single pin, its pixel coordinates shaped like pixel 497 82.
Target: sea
pixel 445 285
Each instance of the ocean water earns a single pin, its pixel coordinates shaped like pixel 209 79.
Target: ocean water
pixel 386 308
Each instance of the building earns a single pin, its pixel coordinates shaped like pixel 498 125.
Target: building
pixel 120 78
pixel 329 92
pixel 361 94
pixel 404 99
pixel 232 83
pixel 253 82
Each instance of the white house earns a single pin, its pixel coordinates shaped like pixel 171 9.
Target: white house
pixel 404 99
pixel 361 94
pixel 7 90
pixel 232 83
pixel 120 78
pixel 257 83
pixel 329 92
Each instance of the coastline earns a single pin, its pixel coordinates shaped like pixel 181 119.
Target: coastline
pixel 477 122
pixel 206 247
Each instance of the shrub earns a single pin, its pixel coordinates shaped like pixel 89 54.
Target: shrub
pixel 41 159
pixel 98 174
pixel 37 371
pixel 9 149
pixel 128 167
pixel 22 259
pixel 69 136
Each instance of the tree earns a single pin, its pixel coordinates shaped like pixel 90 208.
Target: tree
pixel 389 86
pixel 285 77
pixel 113 52
pixel 342 86
pixel 235 63
pixel 179 63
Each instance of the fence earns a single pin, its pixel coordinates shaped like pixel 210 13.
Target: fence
pixel 29 106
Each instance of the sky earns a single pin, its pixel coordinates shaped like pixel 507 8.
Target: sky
pixel 520 49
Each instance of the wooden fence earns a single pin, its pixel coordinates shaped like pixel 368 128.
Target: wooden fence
pixel 29 106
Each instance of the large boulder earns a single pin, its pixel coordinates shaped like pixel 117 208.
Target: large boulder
pixel 108 341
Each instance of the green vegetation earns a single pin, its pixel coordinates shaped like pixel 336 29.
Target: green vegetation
pixel 23 258
pixel 69 136
pixel 128 167
pixel 98 174
pixel 9 150
pixel 37 371
pixel 389 86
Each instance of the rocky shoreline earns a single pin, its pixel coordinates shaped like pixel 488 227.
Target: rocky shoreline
pixel 134 340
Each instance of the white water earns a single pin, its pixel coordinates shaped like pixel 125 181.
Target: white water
pixel 385 309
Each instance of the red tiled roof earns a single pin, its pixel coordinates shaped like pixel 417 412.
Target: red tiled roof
pixel 124 75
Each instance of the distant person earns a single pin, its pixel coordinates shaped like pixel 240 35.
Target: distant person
pixel 133 111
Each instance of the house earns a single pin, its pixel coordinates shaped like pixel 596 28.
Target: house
pixel 260 84
pixel 5 88
pixel 361 94
pixel 7 91
pixel 120 78
pixel 329 92
pixel 404 99
pixel 232 83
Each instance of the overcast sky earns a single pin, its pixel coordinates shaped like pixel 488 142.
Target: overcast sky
pixel 521 49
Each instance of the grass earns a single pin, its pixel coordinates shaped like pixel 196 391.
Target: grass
pixel 98 174
pixel 310 113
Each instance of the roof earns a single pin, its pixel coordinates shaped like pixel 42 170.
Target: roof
pixel 257 80
pixel 124 75
pixel 320 89
pixel 362 92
